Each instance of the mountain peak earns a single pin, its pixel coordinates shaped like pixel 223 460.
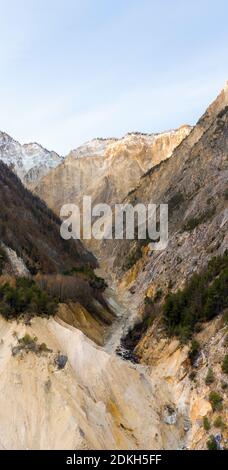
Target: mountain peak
pixel 4 137
pixel 29 161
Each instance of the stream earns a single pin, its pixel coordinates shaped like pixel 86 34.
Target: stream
pixel 126 317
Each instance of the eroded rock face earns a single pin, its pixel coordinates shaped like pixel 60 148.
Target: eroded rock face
pixel 29 161
pixel 96 401
pixel 107 169
pixel 194 183
pixel 189 395
pixel 95 326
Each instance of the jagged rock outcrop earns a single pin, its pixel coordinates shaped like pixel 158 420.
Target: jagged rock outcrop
pixel 29 161
pixel 107 169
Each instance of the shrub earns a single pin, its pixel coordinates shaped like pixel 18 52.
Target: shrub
pixel 191 224
pixel 206 423
pixel 194 351
pixel 209 377
pixel 184 333
pixel 28 343
pixel 211 443
pixel 27 339
pixel 216 401
pixel 149 310
pixel 218 423
pixel 88 273
pixel 43 348
pixel 158 295
pixel 195 221
pixel 192 375
pixel 170 284
pixel 225 364
pixel 225 317
pixel 148 300
pixel 224 385
pixel 175 201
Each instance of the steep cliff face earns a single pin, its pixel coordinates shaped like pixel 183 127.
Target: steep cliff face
pixel 106 169
pixel 194 184
pixel 187 386
pixel 61 390
pixel 69 393
pixel 29 161
pixel 96 401
pixel 31 246
pixel 30 228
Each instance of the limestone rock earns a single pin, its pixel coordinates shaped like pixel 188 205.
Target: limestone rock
pixel 107 169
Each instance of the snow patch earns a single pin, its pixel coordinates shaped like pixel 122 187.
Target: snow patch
pixel 29 161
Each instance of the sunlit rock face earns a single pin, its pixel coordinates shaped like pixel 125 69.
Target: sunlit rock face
pixel 193 182
pixel 29 161
pixel 107 169
pixel 95 401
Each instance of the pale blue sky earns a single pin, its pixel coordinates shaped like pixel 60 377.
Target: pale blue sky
pixel 71 70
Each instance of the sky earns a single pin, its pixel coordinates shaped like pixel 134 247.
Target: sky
pixel 73 70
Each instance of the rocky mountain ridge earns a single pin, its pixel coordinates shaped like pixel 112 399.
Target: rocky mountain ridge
pixel 106 169
pixel 29 161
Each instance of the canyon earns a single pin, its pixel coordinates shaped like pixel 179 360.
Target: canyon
pixel 126 384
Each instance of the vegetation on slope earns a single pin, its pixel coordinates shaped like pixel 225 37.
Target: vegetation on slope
pixel 195 221
pixel 40 296
pixel 136 251
pixel 204 296
pixel 62 271
pixel 3 259
pixel 225 364
pixel 75 288
pixel 31 229
pixel 88 273
pixel 25 297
